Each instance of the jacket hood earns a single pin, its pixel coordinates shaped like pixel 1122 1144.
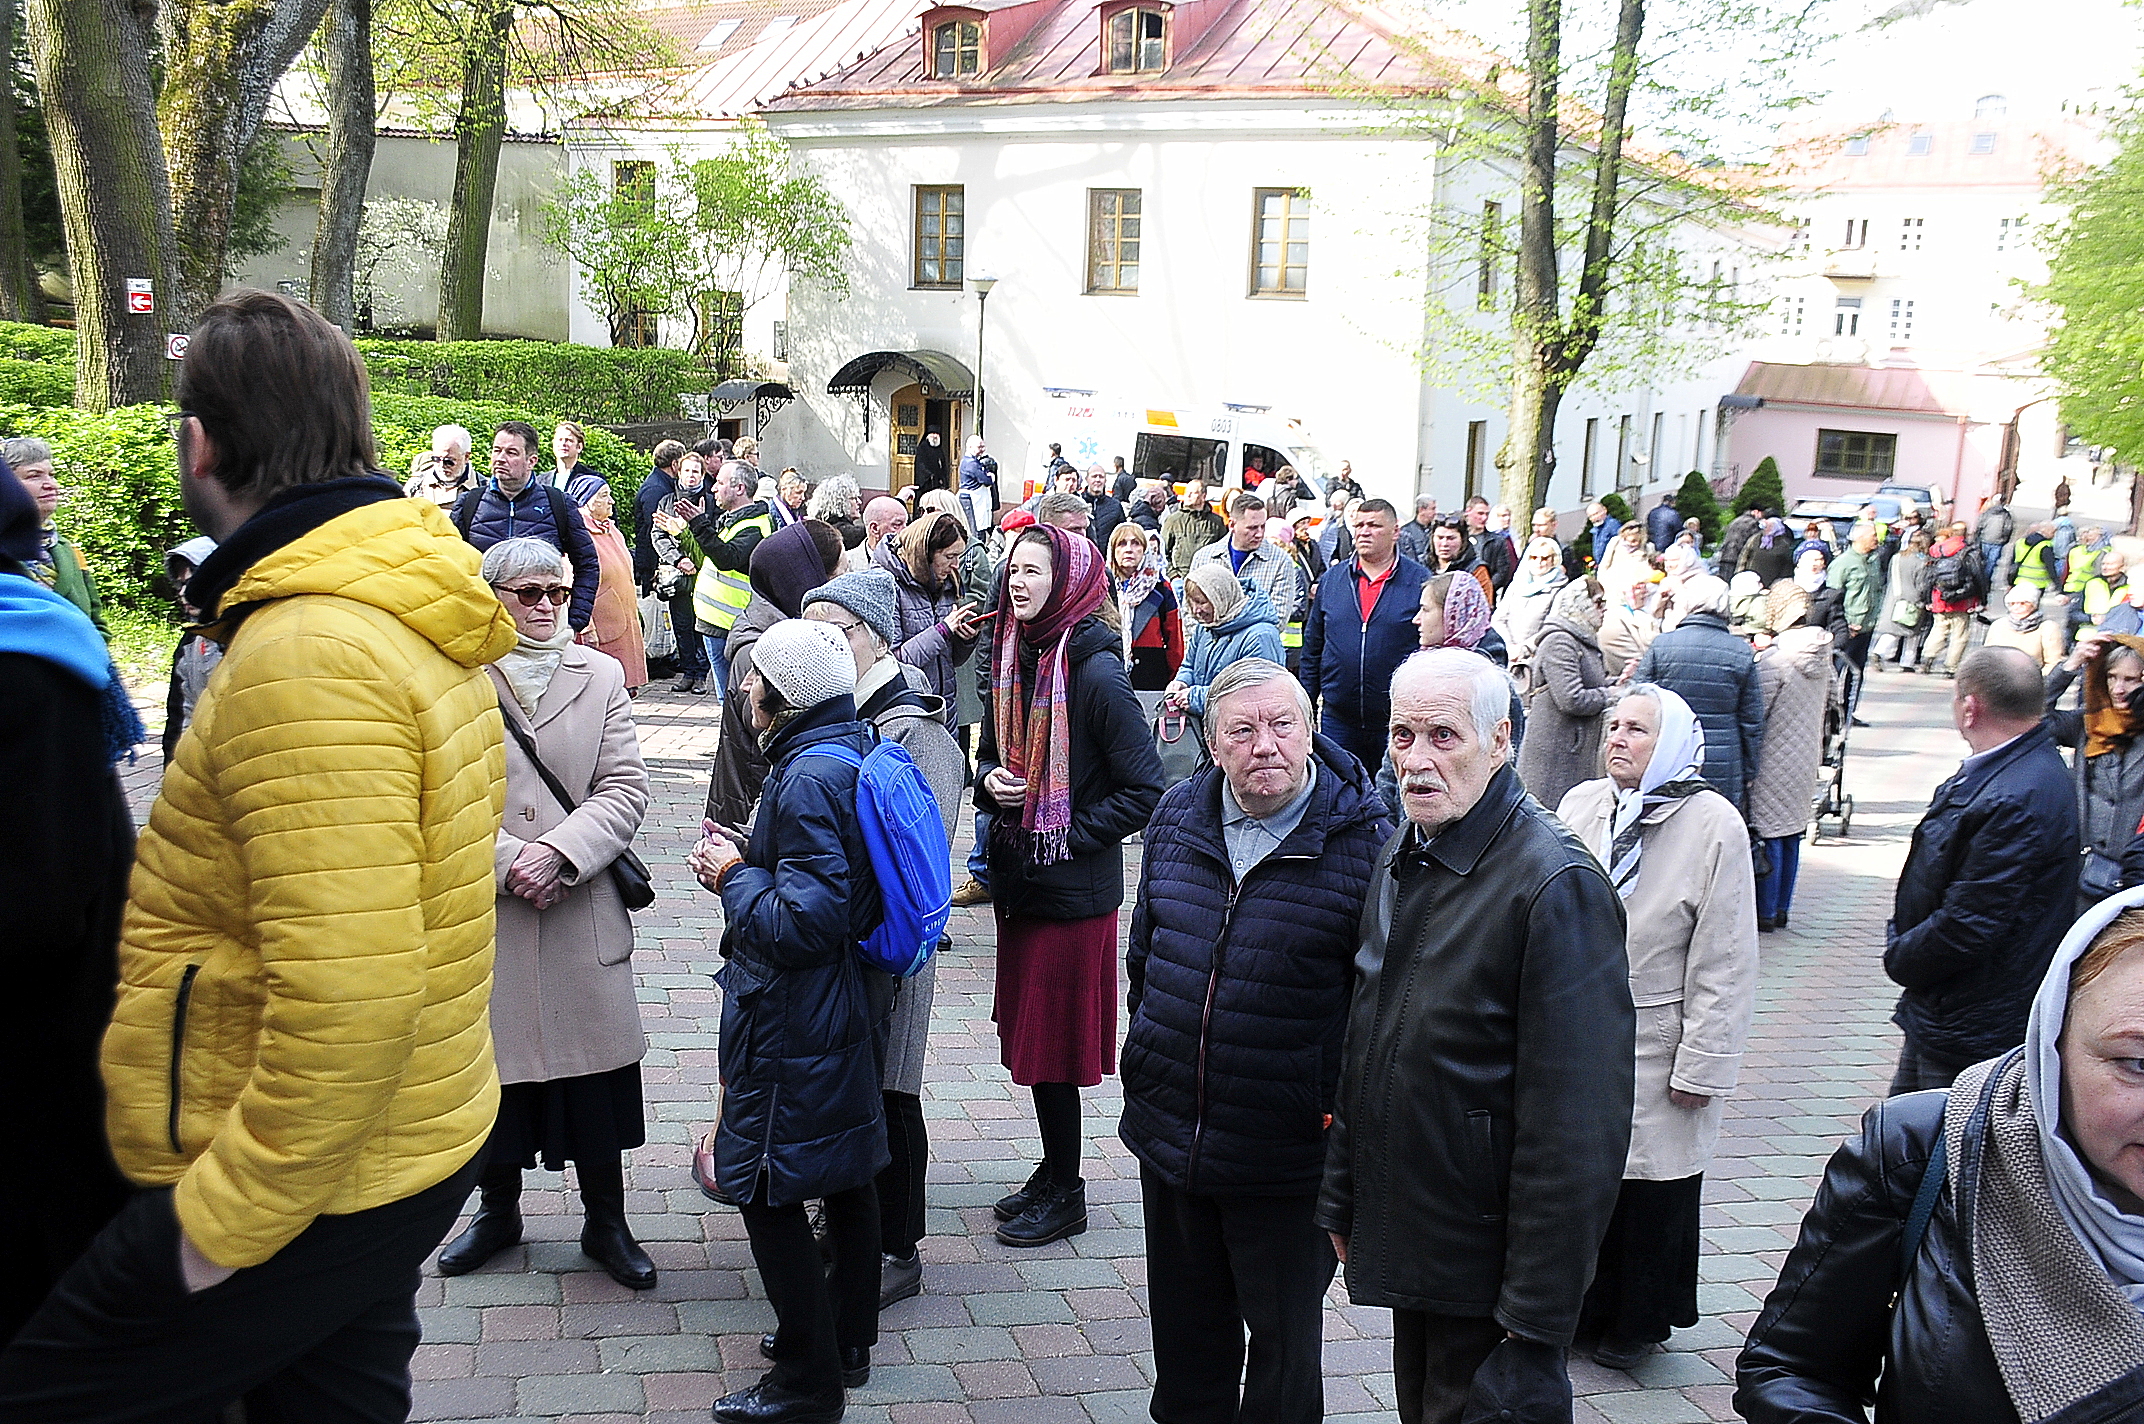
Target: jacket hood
pixel 401 556
pixel 786 565
pixel 1257 608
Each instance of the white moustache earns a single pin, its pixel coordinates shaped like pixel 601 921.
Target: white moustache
pixel 1420 785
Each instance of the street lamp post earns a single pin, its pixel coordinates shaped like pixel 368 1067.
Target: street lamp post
pixel 981 287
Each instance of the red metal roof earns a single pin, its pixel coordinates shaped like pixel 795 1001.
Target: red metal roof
pixel 1047 50
pixel 2016 154
pixel 1895 388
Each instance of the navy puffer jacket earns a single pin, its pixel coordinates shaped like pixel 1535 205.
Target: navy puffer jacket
pixel 1239 994
pixel 803 1019
pixel 1347 664
pixel 1716 673
pixel 487 516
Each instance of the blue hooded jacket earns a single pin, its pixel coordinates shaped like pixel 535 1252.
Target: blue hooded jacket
pixel 1254 632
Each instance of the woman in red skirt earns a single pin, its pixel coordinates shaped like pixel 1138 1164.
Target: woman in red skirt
pixel 1067 766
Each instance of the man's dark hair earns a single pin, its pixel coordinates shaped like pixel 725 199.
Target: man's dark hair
pixel 521 430
pixel 706 448
pixel 1246 501
pixel 2006 681
pixel 280 392
pixel 668 453
pixel 1378 506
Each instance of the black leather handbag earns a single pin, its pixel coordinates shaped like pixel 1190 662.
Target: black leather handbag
pixel 635 886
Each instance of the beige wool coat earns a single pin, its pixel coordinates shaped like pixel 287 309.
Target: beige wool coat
pixel 1794 674
pixel 562 997
pixel 1692 943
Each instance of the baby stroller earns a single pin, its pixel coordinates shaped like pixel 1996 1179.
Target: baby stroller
pixel 1832 799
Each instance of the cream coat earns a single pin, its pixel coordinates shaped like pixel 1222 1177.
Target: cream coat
pixel 562 998
pixel 1692 943
pixel 1794 675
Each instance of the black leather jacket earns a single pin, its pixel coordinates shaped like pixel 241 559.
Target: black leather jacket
pixel 1816 1353
pixel 1478 1141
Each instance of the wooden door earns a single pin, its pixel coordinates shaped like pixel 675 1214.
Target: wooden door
pixel 907 406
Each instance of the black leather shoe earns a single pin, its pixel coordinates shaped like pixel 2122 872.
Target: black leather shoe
pixel 1059 1212
pixel 855 1364
pixel 489 1233
pixel 611 1245
pixel 899 1279
pixel 770 1403
pixel 1009 1207
pixel 1612 1354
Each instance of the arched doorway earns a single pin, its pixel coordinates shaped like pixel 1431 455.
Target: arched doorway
pixel 916 413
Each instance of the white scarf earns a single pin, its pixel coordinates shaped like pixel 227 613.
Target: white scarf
pixel 1678 757
pixel 2108 1233
pixel 529 667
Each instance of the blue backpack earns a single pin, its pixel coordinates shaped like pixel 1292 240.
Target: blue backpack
pixel 906 837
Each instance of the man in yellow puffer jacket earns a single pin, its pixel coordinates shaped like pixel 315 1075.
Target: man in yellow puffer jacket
pixel 299 1066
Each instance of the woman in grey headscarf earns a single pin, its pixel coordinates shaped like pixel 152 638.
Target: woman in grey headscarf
pixel 1571 688
pixel 2023 1296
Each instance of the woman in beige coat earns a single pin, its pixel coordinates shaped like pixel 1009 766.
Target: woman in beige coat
pixel 1794 674
pixel 1678 854
pixel 565 1022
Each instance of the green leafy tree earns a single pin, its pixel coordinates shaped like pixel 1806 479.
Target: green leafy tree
pixel 1763 489
pixel 1617 506
pixel 2095 284
pixel 1695 500
pixel 633 256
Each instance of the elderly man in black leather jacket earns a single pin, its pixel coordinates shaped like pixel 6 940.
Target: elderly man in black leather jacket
pixel 1483 1120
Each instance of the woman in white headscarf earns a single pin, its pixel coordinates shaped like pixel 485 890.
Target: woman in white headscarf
pixel 2023 1296
pixel 1678 853
pixel 1526 603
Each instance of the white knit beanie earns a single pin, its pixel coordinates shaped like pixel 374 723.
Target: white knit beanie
pixel 806 662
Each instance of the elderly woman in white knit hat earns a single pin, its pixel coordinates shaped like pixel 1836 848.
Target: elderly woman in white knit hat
pixel 1980 1249
pixel 896 700
pixel 802 1116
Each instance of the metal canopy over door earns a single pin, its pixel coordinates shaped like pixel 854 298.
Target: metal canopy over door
pixel 915 414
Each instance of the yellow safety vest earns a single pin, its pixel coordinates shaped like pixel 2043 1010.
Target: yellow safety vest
pixel 2031 564
pixel 719 595
pixel 2099 596
pixel 2084 563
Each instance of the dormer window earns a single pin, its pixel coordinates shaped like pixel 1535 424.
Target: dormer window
pixel 957 49
pixel 1138 41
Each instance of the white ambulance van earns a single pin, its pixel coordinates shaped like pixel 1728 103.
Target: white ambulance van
pixel 1229 446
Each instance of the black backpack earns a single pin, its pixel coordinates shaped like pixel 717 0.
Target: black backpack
pixel 465 512
pixel 1957 577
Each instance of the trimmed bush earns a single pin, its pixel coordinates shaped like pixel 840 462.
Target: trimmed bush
pixel 21 341
pixel 594 385
pixel 36 382
pixel 1695 501
pixel 1617 506
pixel 404 424
pixel 1763 487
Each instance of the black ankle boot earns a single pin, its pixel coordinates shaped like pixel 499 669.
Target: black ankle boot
pixel 1012 1205
pixel 606 1239
pixel 1060 1211
pixel 496 1225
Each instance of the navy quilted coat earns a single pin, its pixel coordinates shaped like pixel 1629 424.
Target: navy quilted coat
pixel 1716 673
pixel 1239 994
pixel 803 1019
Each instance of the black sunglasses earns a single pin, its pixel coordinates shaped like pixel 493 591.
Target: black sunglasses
pixel 555 594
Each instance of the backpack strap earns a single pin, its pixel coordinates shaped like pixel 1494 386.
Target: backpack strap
pixel 553 498
pixel 1923 1210
pixel 465 510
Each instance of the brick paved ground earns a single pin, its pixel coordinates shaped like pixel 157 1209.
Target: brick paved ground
pixel 1060 1333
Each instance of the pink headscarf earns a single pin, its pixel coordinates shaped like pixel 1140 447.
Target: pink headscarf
pixel 1466 612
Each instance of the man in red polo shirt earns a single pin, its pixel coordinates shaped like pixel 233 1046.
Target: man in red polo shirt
pixel 1360 630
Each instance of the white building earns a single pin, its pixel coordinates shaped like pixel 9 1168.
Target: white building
pixel 1903 346
pixel 1184 208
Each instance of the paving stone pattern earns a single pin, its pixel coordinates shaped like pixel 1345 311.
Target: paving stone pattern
pixel 1058 1335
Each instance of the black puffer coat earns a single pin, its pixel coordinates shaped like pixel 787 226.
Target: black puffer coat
pixel 1716 673
pixel 1239 994
pixel 803 1019
pixel 1829 1331
pixel 1483 1121
pixel 1116 781
pixel 1988 891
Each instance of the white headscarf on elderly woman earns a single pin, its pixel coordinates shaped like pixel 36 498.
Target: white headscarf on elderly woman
pixel 1221 588
pixel 529 667
pixel 1700 593
pixel 1673 773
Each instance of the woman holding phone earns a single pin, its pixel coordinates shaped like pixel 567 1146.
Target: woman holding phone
pixel 937 632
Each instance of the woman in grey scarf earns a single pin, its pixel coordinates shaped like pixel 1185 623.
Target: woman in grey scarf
pixel 1980 1250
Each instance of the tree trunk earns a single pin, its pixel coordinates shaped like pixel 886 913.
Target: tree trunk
pixel 347 32
pixel 1528 459
pixel 221 65
pixel 19 298
pixel 92 59
pixel 478 132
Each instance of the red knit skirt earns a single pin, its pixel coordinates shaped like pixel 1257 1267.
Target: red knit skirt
pixel 1056 1008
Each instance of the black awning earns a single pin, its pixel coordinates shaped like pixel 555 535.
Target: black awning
pixel 735 393
pixel 936 372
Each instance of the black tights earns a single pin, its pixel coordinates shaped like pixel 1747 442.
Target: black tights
pixel 1057 1115
pixel 817 1317
pixel 900 1186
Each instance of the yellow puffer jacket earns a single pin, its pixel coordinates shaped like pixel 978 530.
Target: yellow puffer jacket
pixel 305 971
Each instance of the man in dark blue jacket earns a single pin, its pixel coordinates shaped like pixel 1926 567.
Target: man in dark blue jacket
pixel 657 487
pixel 1360 629
pixel 1990 884
pixel 1241 963
pixel 514 504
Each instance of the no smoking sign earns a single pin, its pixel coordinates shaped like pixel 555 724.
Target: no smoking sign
pixel 141 296
pixel 175 345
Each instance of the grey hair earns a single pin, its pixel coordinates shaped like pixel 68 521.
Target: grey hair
pixel 456 435
pixel 1246 673
pixel 1488 686
pixel 1058 502
pixel 838 498
pixel 1861 527
pixel 518 558
pixel 1424 501
pixel 26 450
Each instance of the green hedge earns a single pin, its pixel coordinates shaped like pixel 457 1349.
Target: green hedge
pixel 21 341
pixel 119 477
pixel 594 385
pixel 36 382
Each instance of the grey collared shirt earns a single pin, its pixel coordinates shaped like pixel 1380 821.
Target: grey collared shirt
pixel 1251 839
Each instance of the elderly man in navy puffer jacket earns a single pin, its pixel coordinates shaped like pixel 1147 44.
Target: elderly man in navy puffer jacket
pixel 1241 964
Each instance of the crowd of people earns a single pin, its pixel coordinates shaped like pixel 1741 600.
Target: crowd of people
pixel 1442 953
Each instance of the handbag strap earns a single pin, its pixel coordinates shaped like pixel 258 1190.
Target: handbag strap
pixel 528 749
pixel 1923 1210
